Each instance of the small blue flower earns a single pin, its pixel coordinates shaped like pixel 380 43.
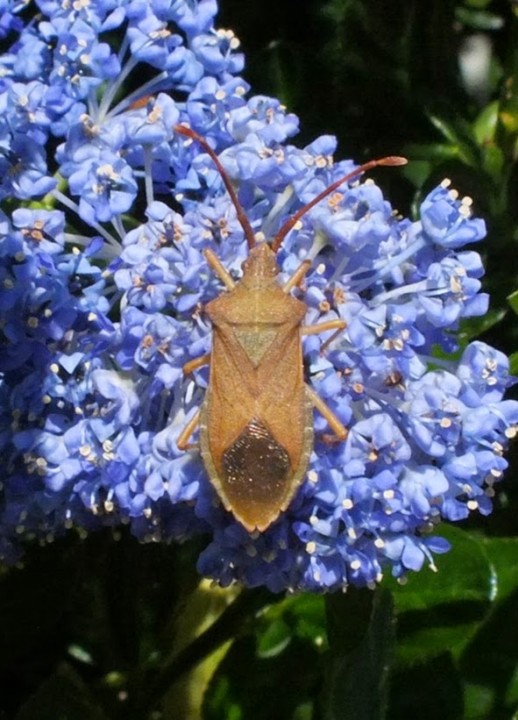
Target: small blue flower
pixel 106 187
pixel 264 116
pixel 447 221
pixel 215 52
pixel 23 168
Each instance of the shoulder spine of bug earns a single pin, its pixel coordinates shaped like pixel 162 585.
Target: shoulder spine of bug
pixel 256 421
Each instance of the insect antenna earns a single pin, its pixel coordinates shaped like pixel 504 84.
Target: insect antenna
pixel 241 216
pixel 391 160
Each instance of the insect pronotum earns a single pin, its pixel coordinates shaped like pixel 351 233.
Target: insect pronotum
pixel 256 421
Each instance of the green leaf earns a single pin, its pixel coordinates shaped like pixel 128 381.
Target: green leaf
pixel 458 136
pixel 249 687
pixel 439 612
pixel 275 639
pixel 63 696
pixel 485 125
pixel 502 554
pixel 447 129
pixel 431 152
pixel 430 634
pixel 429 690
pixel 491 659
pixel 228 625
pixel 513 364
pixel 479 20
pixel 513 301
pixel 417 171
pixel 509 115
pixel 478 700
pixel 472 328
pixel 493 161
pixel 304 615
pixel 361 638
pixel 464 575
pixel 285 653
pixel 511 697
pixel 480 4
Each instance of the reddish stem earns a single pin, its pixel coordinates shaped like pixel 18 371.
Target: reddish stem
pixel 390 160
pixel 241 216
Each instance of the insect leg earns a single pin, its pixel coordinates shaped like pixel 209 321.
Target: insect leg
pixel 339 430
pixel 198 362
pixel 297 276
pixel 324 327
pixel 336 325
pixel 183 439
pixel 219 269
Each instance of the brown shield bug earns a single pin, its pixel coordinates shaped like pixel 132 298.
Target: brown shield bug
pixel 256 421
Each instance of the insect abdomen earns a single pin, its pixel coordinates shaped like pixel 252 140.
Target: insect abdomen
pixel 255 473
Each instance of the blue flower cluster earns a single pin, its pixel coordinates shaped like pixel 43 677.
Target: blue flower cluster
pixel 103 283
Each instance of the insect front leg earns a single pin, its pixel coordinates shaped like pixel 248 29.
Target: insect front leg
pixel 219 269
pixel 338 428
pixel 198 362
pixel 337 325
pixel 297 276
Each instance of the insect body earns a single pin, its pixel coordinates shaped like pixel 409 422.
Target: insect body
pixel 256 422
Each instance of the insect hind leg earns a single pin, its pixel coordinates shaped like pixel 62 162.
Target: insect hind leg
pixel 182 442
pixel 338 428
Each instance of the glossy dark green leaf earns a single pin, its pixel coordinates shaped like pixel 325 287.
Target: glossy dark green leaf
pixel 361 637
pixel 428 690
pixel 502 554
pixel 463 574
pixel 286 652
pixel 274 639
pixel 249 687
pixel 491 658
pixel 439 611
